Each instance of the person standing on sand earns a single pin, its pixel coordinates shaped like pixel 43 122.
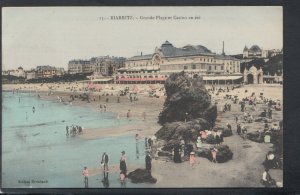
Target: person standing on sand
pixel 270 113
pixel 129 114
pixel 148 161
pixel 85 173
pixel 238 129
pixel 221 138
pixel 104 161
pixel 214 155
pixel 123 166
pixel 217 139
pixel 33 109
pixel 244 131
pixel 177 157
pixel 137 152
pixel 199 142
pixel 146 142
pixel 192 159
pixel 67 131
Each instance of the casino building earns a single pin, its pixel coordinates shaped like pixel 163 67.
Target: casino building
pixel 167 59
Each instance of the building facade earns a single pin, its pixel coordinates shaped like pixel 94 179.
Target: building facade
pixel 103 65
pixel 80 66
pixel 31 75
pixel 46 71
pixel 256 52
pixel 17 73
pixel 106 65
pixel 253 76
pixel 168 59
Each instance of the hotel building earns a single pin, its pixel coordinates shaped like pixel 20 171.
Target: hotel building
pixel 167 59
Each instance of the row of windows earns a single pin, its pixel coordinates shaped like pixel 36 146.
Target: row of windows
pixel 150 76
pixel 150 63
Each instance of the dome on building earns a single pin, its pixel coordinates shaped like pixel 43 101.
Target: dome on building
pixel 20 68
pixel 167 44
pixel 255 48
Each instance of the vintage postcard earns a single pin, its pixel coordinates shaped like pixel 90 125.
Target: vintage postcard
pixel 142 97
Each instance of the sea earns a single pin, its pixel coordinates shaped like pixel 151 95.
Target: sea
pixel 36 153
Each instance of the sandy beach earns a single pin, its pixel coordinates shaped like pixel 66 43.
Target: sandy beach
pixel 244 170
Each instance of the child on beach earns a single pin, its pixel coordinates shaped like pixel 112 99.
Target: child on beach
pixel 129 114
pixel 192 159
pixel 85 173
pixel 199 142
pixel 214 155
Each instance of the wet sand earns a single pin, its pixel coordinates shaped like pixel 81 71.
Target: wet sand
pixel 244 170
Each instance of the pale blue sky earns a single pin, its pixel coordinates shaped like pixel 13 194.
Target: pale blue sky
pixel 55 35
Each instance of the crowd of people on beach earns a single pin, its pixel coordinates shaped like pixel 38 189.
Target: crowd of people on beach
pixel 74 130
pixel 248 109
pixel 247 106
pixel 266 116
pixel 123 169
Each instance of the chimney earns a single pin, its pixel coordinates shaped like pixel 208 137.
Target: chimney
pixel 223 53
pixel 141 53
